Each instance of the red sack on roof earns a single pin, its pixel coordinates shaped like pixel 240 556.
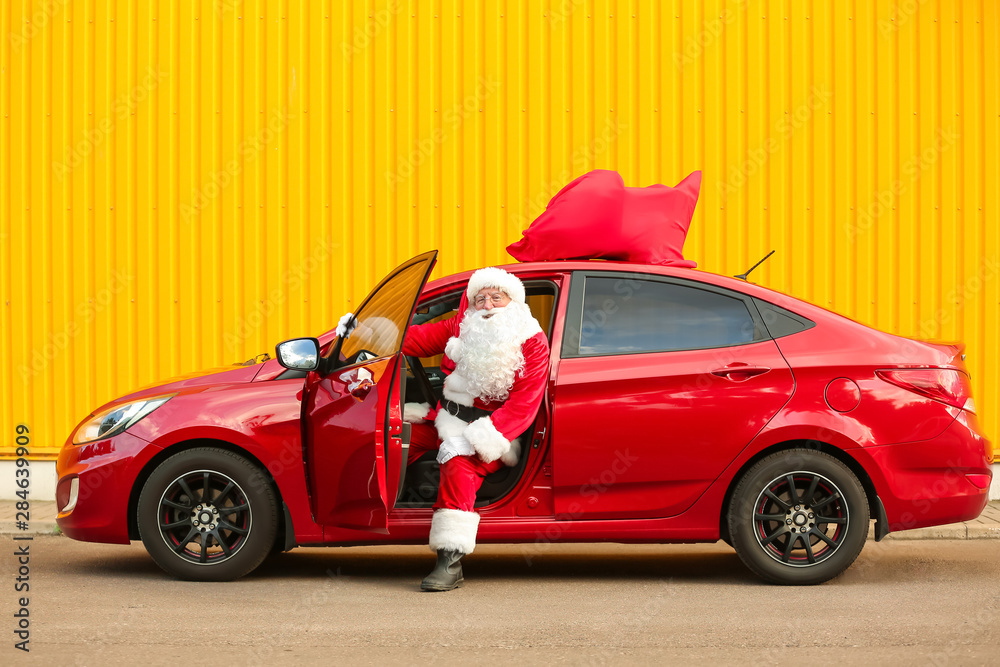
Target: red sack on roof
pixel 597 217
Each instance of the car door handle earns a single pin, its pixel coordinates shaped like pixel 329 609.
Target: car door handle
pixel 360 384
pixel 362 388
pixel 740 372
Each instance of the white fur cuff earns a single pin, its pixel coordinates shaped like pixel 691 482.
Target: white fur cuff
pixel 488 441
pixel 513 454
pixel 453 349
pixel 415 412
pixel 453 530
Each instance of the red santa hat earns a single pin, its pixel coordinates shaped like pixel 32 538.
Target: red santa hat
pixel 492 277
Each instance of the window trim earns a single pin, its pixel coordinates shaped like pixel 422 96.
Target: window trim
pixel 804 322
pixel 570 348
pixel 528 283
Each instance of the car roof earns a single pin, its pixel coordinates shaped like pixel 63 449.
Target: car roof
pixel 567 266
pixel 791 303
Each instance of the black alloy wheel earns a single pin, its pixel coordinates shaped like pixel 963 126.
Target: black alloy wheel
pixel 208 514
pixel 798 517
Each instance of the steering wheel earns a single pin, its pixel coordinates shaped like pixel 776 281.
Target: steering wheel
pixel 424 382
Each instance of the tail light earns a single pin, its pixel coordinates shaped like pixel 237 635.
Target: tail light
pixel 947 385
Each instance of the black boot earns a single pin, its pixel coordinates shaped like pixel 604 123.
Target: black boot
pixel 447 574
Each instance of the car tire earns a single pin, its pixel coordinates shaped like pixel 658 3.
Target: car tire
pixel 798 517
pixel 208 514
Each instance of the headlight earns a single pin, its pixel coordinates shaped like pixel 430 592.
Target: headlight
pixel 116 419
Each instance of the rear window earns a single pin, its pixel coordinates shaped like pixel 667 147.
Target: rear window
pixel 623 316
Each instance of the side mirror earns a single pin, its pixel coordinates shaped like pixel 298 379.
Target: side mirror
pixel 299 354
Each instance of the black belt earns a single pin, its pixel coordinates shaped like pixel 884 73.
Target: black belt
pixel 464 412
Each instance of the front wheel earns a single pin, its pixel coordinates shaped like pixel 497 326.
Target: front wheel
pixel 798 517
pixel 207 514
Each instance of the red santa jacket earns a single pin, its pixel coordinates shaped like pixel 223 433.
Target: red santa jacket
pixel 493 437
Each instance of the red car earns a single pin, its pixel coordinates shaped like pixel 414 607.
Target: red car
pixel 681 406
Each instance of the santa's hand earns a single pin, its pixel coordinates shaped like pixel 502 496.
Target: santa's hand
pixel 452 447
pixel 346 325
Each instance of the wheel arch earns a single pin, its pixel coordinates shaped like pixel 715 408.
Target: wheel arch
pixel 284 520
pixel 874 504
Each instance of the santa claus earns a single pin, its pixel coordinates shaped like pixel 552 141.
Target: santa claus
pixel 496 358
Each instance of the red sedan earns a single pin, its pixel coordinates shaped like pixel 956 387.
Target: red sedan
pixel 681 406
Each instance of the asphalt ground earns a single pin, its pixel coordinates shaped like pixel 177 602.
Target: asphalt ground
pixel 933 602
pixel 987 526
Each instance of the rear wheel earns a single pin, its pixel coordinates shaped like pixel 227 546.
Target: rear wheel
pixel 798 517
pixel 208 514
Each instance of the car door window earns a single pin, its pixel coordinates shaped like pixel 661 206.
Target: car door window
pixel 383 318
pixel 540 296
pixel 625 316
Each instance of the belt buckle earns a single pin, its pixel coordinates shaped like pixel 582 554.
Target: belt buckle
pixel 458 408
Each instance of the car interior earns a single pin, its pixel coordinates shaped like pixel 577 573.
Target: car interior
pixel 420 484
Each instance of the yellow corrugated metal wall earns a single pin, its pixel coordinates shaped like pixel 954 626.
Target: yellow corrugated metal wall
pixel 183 184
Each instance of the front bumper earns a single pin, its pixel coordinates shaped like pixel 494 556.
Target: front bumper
pixel 937 481
pixel 105 473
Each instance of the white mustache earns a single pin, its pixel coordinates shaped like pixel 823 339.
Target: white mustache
pixel 487 314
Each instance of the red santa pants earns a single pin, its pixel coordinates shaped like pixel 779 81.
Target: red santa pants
pixel 461 476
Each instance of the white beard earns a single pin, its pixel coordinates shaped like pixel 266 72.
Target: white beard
pixel 487 353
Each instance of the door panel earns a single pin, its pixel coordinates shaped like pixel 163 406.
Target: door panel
pixel 644 435
pixel 346 451
pixel 663 381
pixel 346 410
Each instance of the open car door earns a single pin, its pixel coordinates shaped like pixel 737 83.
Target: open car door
pixel 346 406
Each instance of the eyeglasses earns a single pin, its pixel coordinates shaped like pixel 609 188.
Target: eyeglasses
pixel 497 299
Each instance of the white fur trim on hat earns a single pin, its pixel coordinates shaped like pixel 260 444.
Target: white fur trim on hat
pixel 497 278
pixel 415 412
pixel 489 443
pixel 453 530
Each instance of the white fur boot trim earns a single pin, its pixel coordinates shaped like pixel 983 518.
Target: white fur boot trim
pixel 488 441
pixel 453 530
pixel 448 425
pixel 415 412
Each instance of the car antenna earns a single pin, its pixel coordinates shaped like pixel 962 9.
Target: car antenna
pixel 743 276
